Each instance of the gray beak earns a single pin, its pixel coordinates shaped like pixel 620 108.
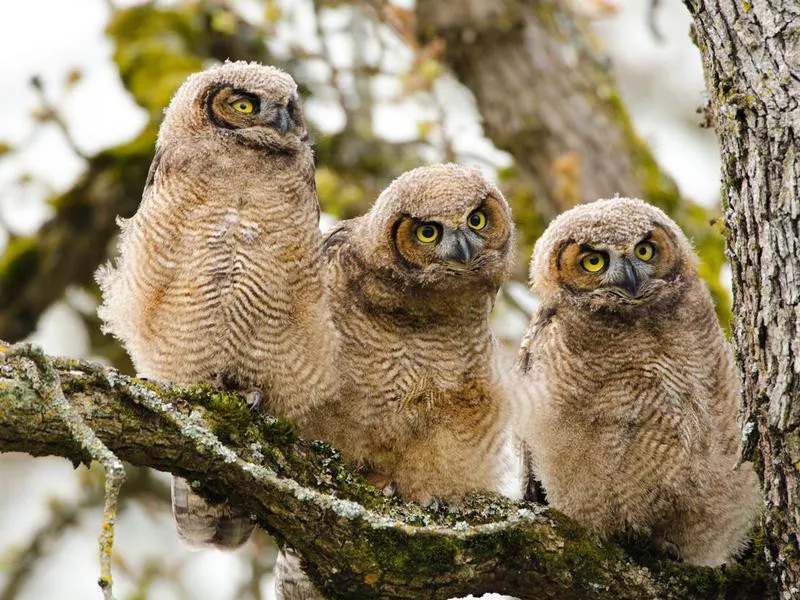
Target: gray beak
pixel 626 278
pixel 462 250
pixel 282 121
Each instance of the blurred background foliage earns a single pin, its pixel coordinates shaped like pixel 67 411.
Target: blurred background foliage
pixel 388 86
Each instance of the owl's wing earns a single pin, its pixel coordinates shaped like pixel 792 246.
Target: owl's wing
pixel 151 172
pixel 142 243
pixel 335 238
pixel 539 322
pixel 291 583
pixel 532 488
pixel 204 525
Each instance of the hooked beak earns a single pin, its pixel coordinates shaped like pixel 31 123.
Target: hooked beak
pixel 626 278
pixel 462 251
pixel 281 121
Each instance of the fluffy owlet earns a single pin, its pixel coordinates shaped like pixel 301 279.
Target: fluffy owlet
pixel 412 283
pixel 219 277
pixel 637 429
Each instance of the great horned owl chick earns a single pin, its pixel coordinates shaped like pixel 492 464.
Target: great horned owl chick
pixel 412 283
pixel 637 429
pixel 219 277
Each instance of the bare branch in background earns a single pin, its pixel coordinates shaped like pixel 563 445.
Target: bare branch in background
pixel 63 516
pixel 49 112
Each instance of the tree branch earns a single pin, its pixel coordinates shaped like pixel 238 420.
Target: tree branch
pixel 355 543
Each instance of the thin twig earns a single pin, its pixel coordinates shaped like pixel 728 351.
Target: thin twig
pixel 50 112
pixel 47 383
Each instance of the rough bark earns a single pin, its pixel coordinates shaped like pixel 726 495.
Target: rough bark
pixel 751 56
pixel 354 542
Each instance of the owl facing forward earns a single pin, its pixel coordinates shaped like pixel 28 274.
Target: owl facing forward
pixel 412 283
pixel 637 430
pixel 219 274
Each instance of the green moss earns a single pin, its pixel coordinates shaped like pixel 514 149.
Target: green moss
pixel 409 556
pixel 276 444
pixel 74 386
pixel 746 579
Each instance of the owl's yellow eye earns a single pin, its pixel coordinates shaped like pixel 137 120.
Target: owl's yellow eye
pixel 645 251
pixel 427 233
pixel 594 262
pixel 477 220
pixel 243 105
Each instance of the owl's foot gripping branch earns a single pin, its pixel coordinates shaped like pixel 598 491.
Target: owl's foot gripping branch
pixel 354 542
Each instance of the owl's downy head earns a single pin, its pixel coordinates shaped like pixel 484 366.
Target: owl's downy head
pixel 248 103
pixel 442 227
pixel 615 255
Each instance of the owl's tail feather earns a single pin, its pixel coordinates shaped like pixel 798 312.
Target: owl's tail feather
pixel 290 581
pixel 203 525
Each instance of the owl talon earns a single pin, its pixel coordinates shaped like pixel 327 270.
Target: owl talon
pixel 435 504
pixel 253 398
pixel 672 549
pixel 390 489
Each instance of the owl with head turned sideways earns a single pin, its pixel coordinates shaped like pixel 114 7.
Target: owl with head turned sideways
pixel 411 284
pixel 636 430
pixel 219 274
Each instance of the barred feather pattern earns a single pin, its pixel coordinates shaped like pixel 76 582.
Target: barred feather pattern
pixel 219 273
pixel 225 279
pixel 423 403
pixel 637 429
pixel 291 582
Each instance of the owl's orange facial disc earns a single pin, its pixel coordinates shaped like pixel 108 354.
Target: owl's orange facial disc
pixel 232 108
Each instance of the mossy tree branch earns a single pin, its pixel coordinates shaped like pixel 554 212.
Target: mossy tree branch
pixel 355 543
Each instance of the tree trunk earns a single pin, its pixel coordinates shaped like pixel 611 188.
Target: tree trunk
pixel 751 56
pixel 542 93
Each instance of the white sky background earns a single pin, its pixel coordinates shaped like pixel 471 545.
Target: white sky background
pixel 661 83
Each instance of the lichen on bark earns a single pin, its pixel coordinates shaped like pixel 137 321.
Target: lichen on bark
pixel 750 57
pixel 354 542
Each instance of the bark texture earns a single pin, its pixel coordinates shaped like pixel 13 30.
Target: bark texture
pixel 354 543
pixel 751 56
